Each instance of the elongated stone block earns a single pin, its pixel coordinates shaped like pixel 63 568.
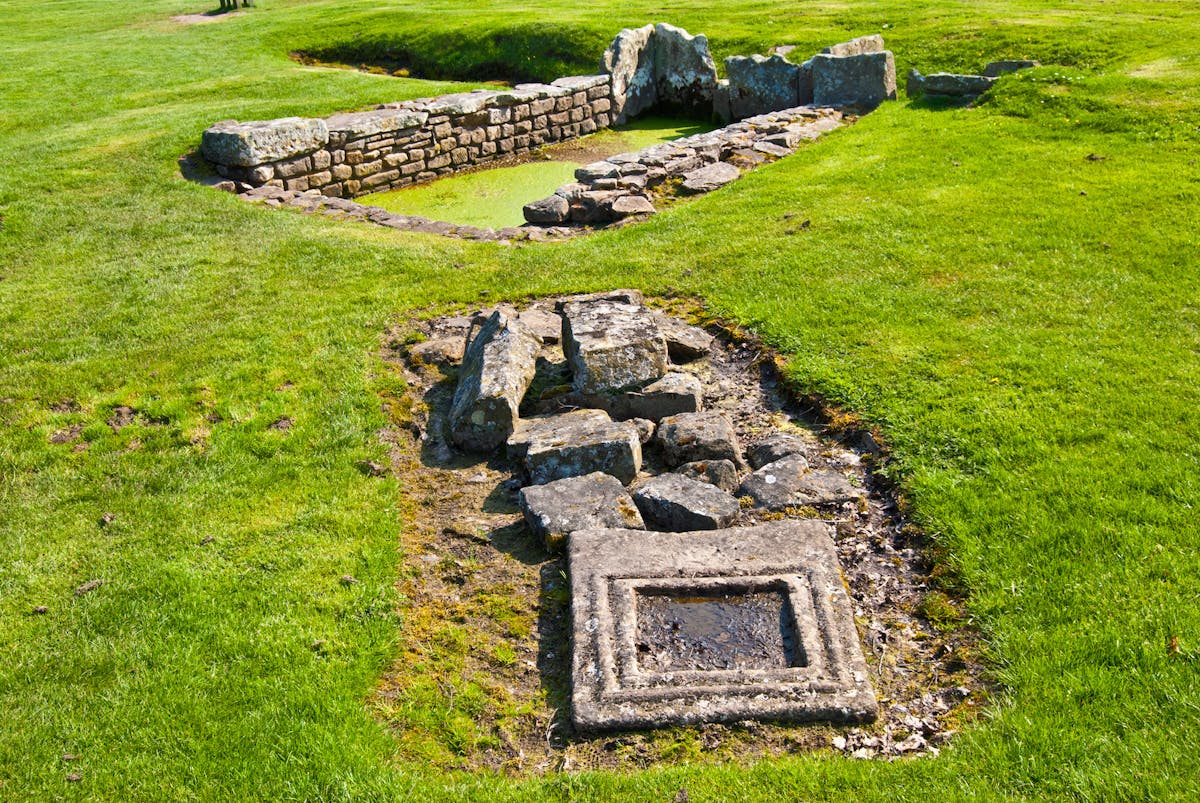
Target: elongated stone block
pixel 254 143
pixel 497 368
pixel 581 446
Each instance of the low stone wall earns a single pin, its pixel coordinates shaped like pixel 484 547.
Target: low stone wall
pixel 403 143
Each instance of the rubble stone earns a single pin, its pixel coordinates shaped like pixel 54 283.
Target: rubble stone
pixel 497 368
pixel 555 510
pixel 721 473
pixel 676 503
pixel 612 346
pixel 775 447
pixel 789 483
pixel 582 447
pixel 689 437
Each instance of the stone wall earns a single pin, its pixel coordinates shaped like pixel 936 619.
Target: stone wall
pixel 403 143
pixel 398 144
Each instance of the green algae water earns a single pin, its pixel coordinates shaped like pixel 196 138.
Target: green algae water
pixel 491 198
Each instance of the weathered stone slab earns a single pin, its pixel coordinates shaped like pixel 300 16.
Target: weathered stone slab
pixel 630 62
pixel 856 47
pixel 583 447
pixel 689 437
pixel 554 209
pixel 995 69
pixel 459 103
pixel 684 342
pixel 555 510
pixel 760 84
pixel 676 503
pixel 675 393
pixel 629 205
pixel 578 82
pixel 864 80
pixel 548 428
pixel 254 143
pixel 612 346
pixel 497 368
pixel 440 350
pixel 619 676
pixel 708 178
pixel 775 447
pixel 721 473
pixel 379 121
pixel 684 71
pixel 789 482
pixel 949 85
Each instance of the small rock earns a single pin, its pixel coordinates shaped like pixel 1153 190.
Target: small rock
pixel 675 503
pixel 551 210
pixel 789 483
pixel 839 742
pixel 107 519
pixel 371 468
pixel 438 350
pixel 41 610
pixel 88 587
pixel 708 178
pixel 995 69
pixel 629 205
pixel 775 447
pixel 690 437
pixel 645 429
pixel 555 510
pixel 721 473
pixel 684 342
pixel 348 580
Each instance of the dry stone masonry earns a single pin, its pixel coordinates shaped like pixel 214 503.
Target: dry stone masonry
pixel 320 164
pixel 723 563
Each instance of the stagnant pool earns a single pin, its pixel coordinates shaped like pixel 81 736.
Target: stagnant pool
pixel 493 197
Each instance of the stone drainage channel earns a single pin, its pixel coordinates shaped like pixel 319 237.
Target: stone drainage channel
pixel 725 562
pixel 771 104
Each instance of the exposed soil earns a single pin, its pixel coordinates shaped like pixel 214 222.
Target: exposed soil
pixel 486 608
pixel 206 17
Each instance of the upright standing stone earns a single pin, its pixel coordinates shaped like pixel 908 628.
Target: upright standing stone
pixel 684 72
pixel 497 368
pixel 612 346
pixel 760 84
pixel 864 80
pixel 630 62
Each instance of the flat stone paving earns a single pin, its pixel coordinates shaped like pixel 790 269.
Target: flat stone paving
pixel 621 681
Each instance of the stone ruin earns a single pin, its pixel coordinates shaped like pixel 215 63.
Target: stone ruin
pixel 320 164
pixel 694 597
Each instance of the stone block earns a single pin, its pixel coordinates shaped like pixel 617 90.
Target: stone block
pixel 629 60
pixel 760 84
pixel 675 393
pixel 856 47
pixel 995 69
pixel 356 125
pixel 689 437
pixel 611 346
pixel 684 342
pixel 721 473
pixel 865 80
pixel 630 205
pixel 254 143
pixel 579 447
pixel 555 510
pixel 548 427
pixel 947 85
pixel 790 483
pixel 554 209
pixel 676 503
pixel 708 178
pixel 775 447
pixel 642 658
pixel 497 368
pixel 684 72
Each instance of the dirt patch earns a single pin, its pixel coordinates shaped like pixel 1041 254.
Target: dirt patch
pixel 482 681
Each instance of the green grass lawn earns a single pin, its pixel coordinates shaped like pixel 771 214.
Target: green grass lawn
pixel 1021 321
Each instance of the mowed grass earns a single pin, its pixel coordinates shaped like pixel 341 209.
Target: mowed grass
pixel 1021 320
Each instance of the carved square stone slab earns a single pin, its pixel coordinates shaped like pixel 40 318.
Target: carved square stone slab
pixel 713 626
